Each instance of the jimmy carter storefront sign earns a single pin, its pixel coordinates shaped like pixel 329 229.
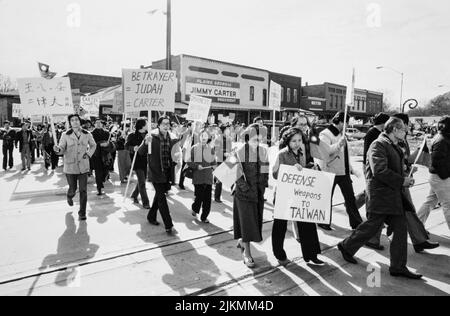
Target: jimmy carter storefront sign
pixel 218 91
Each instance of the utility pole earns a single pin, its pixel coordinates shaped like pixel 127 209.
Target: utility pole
pixel 169 36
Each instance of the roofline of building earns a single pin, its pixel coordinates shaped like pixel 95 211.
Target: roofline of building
pixel 215 61
pixel 92 75
pixel 284 75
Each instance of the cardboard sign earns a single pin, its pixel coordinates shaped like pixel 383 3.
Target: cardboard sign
pixel 17 110
pixel 118 103
pixel 41 96
pixel 275 96
pixel 91 105
pixel 198 109
pixel 304 196
pixel 149 90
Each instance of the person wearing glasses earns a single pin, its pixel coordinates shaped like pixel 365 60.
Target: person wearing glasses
pixel 387 201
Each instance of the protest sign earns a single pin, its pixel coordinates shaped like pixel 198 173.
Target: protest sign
pixel 118 103
pixel 275 96
pixel 17 110
pixel 304 196
pixel 41 96
pixel 149 90
pixel 91 105
pixel 198 109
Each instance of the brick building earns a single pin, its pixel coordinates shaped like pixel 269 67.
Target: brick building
pixel 291 87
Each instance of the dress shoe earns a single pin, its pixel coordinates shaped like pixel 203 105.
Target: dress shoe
pixel 407 274
pixel 375 246
pixel 218 201
pixel 315 261
pixel 147 207
pixel 249 262
pixel 70 201
pixel 325 227
pixel 426 245
pixel 205 221
pixel 135 201
pixel 347 257
pixel 181 187
pixel 82 218
pixel 154 223
pixel 284 263
pixel 171 231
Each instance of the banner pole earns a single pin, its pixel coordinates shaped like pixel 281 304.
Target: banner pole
pixel 52 126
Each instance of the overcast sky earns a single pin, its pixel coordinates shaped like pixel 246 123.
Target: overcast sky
pixel 320 40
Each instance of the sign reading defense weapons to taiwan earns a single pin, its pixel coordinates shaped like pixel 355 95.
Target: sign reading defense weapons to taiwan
pixel 41 96
pixel 198 109
pixel 17 110
pixel 304 196
pixel 91 105
pixel 217 90
pixel 275 96
pixel 149 90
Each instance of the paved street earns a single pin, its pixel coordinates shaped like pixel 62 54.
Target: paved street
pixel 46 251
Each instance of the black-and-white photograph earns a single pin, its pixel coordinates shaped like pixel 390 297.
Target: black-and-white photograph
pixel 225 154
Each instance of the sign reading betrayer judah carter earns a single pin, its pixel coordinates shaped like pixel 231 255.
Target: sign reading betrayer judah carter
pixel 149 90
pixel 304 196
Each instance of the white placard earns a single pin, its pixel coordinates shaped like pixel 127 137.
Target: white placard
pixel 118 103
pixel 149 90
pixel 91 105
pixel 275 96
pixel 198 110
pixel 41 96
pixel 17 110
pixel 304 196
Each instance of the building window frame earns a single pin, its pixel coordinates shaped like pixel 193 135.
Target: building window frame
pixel 252 93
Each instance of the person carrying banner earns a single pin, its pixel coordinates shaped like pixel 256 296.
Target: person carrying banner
pixel 337 160
pixel 51 158
pixel 202 162
pixel 23 138
pixel 102 156
pixel 123 156
pixel 77 146
pixel 134 142
pixel 295 152
pixel 439 173
pixel 8 135
pixel 248 203
pixel 387 201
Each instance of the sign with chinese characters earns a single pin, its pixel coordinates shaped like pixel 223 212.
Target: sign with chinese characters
pixel 149 90
pixel 17 110
pixel 198 109
pixel 90 105
pixel 304 196
pixel 216 90
pixel 41 96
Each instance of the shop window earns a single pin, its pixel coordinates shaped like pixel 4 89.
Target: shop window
pixel 252 93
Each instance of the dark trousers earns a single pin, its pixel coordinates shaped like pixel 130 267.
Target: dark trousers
pixel 160 203
pixel 308 238
pixel 78 179
pixel 218 190
pixel 182 175
pixel 346 186
pixel 368 229
pixel 52 157
pixel 8 159
pixel 100 176
pixel 202 201
pixel 140 187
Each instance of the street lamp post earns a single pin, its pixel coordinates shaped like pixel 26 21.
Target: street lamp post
pixel 401 86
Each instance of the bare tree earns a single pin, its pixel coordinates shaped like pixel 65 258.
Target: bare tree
pixel 6 84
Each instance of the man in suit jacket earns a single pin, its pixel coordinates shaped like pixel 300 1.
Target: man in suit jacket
pixel 24 139
pixel 387 201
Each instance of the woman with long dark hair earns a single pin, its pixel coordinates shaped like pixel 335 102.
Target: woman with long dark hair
pixel 295 152
pixel 248 206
